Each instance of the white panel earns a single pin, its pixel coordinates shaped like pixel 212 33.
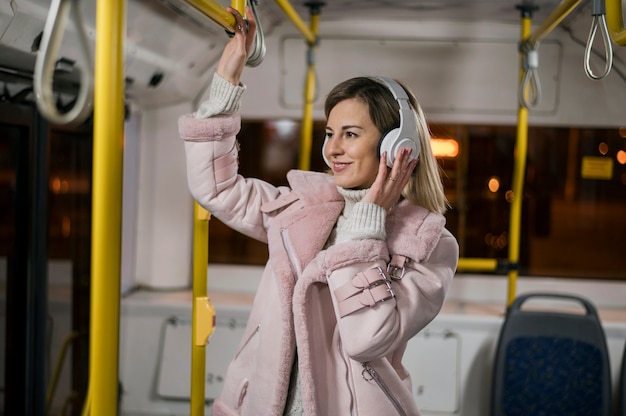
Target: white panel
pixel 174 368
pixel 164 228
pixel 130 200
pixel 433 361
pixel 446 75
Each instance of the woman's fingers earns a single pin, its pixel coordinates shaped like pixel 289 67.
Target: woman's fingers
pixel 239 20
pixel 397 178
pixel 389 184
pixel 235 54
pixel 403 167
pixel 251 34
pixel 245 28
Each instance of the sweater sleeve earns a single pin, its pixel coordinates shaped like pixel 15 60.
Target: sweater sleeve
pixel 224 98
pixel 366 220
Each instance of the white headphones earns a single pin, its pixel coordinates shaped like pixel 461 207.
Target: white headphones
pixel 403 137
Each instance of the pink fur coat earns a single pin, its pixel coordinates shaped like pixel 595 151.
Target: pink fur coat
pixel 348 364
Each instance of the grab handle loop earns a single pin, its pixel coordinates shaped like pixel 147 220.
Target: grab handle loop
pixel 599 18
pixel 529 93
pixel 46 61
pixel 258 53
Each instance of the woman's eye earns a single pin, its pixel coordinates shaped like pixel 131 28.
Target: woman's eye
pixel 350 134
pixel 328 135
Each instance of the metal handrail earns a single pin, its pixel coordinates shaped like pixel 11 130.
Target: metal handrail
pixel 106 238
pixel 519 167
pixel 477 264
pixel 529 91
pixel 218 13
pixel 51 38
pixel 552 21
pixel 306 140
pixel 290 12
pixel 615 21
pixel 598 14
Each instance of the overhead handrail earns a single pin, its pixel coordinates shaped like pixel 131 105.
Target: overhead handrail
pixel 529 92
pixel 598 13
pixel 615 21
pixel 552 21
pixel 46 61
pixel 297 21
pixel 218 13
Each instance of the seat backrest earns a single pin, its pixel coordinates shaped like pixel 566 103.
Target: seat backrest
pixel 551 363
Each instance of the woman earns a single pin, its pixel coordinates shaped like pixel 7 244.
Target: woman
pixel 359 260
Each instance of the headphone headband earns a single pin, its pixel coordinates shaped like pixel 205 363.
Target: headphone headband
pixel 395 88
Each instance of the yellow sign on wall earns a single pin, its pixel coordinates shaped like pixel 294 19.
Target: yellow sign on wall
pixel 596 167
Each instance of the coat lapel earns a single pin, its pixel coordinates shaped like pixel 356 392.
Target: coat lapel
pixel 312 219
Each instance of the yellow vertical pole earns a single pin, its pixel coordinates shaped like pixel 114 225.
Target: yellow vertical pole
pixel 519 169
pixel 198 349
pixel 108 142
pixel 203 313
pixel 309 98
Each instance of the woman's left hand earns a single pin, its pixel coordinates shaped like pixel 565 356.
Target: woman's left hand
pixel 389 183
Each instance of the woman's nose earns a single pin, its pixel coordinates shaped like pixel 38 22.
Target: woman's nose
pixel 332 147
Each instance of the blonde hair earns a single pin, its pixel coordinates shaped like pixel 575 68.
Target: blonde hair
pixel 425 187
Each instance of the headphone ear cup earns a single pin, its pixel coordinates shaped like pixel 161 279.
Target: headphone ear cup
pixel 386 145
pixel 392 143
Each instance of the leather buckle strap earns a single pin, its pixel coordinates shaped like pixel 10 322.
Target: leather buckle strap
pixel 366 289
pixel 397 263
pixel 359 282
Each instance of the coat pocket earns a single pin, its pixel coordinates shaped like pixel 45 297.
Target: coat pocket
pixel 221 408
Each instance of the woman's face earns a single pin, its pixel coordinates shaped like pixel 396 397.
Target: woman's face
pixel 352 144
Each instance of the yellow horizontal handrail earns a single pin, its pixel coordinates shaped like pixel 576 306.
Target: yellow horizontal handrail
pixel 297 21
pixel 552 21
pixel 615 21
pixel 215 12
pixel 220 15
pixel 476 264
pixel 224 18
